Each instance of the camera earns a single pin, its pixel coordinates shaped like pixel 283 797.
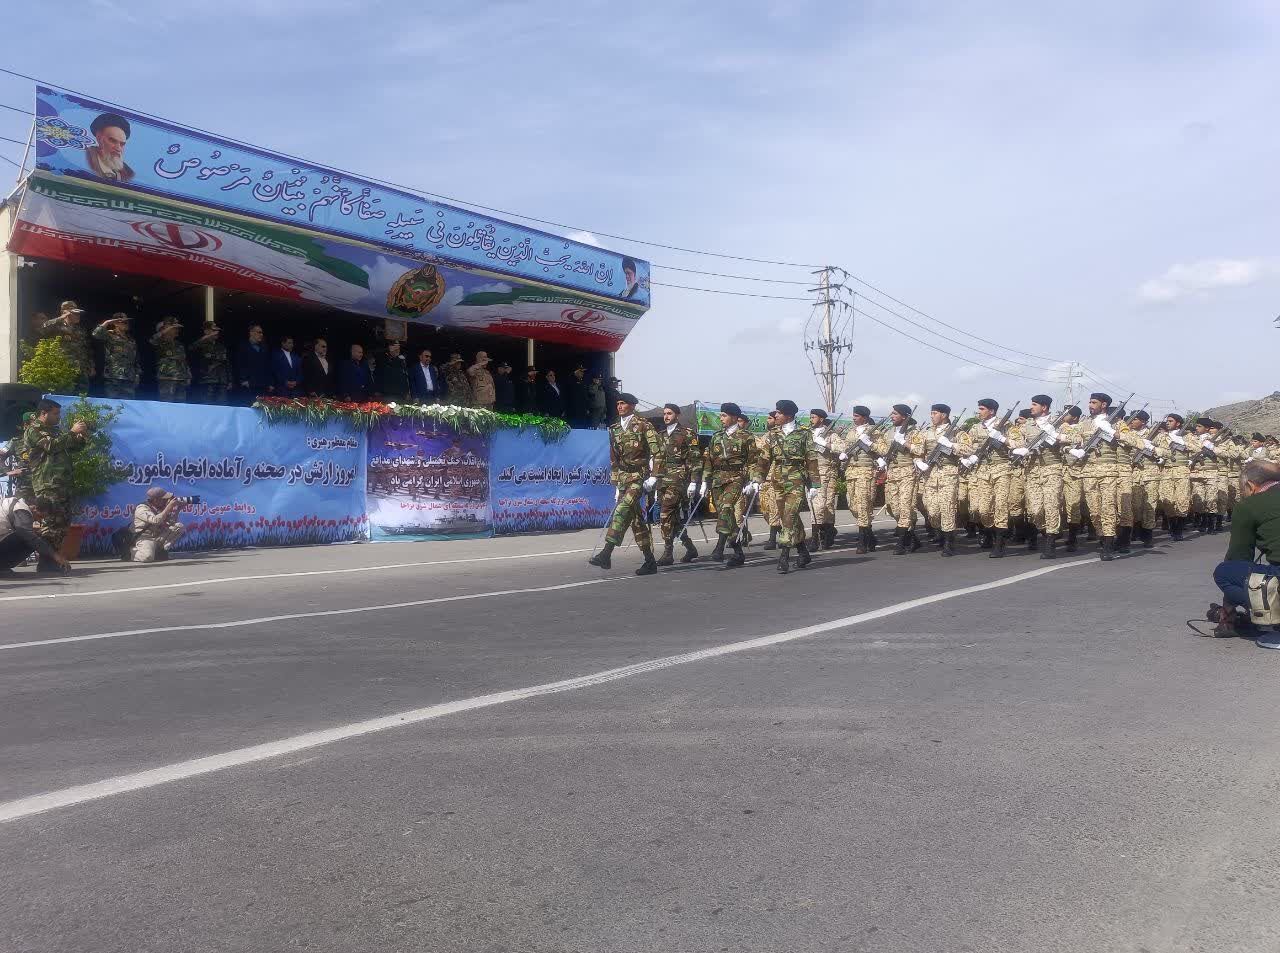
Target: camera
pixel 188 500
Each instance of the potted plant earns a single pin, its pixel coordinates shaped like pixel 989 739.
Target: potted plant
pixel 93 471
pixel 48 367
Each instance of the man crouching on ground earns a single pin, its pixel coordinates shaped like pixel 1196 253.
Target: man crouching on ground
pixel 155 526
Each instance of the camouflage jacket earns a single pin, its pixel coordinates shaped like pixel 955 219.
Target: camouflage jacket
pixel 631 448
pixel 680 461
pixel 728 457
pixel 790 460
pixel 827 447
pixel 998 458
pixel 50 456
pixel 214 362
pixel 171 359
pixel 458 384
pixel 75 342
pixel 903 462
pixel 1107 455
pixel 119 356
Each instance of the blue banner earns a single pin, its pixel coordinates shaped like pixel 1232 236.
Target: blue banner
pixel 538 486
pixel 259 484
pixel 426 481
pixel 95 141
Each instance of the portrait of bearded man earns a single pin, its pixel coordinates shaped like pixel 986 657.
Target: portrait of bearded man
pixel 106 159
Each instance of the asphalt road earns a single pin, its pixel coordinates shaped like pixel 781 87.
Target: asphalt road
pixel 491 746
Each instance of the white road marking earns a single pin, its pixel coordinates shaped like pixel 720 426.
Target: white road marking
pixel 224 580
pixel 67 797
pixel 263 620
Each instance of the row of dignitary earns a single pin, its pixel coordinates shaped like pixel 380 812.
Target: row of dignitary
pixel 1038 477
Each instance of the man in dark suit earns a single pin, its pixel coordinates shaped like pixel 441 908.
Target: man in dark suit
pixel 504 390
pixel 527 393
pixel 319 377
pixel 286 368
pixel 576 399
pixel 425 380
pixel 552 402
pixel 354 380
pixel 253 365
pixel 391 377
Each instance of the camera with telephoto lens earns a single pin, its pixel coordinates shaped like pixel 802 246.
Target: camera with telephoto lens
pixel 187 500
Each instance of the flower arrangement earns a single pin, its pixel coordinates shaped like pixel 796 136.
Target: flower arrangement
pixel 365 415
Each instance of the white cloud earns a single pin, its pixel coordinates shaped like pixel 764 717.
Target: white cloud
pixel 879 404
pixel 586 238
pixel 1209 274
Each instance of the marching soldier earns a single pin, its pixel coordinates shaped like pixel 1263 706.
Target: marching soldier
pixel 897 452
pixel 679 472
pixel 989 477
pixel 75 342
pixel 769 489
pixel 942 480
pixel 726 464
pixel 1043 475
pixel 746 500
pixel 1020 523
pixel 858 454
pixel 214 363
pixel 1204 478
pixel 1225 451
pixel 1146 481
pixel 120 369
pixel 1072 489
pixel 50 457
pixel 1099 473
pixel 1175 481
pixel 173 374
pixel 632 445
pixel 792 461
pixel 824 501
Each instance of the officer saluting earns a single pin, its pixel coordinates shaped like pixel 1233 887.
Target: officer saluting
pixel 633 443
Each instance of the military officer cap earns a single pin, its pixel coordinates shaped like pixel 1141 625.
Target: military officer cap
pixel 674 408
pixel 1258 437
pixel 1179 418
pixel 903 409
pixel 70 307
pixel 941 408
pixel 120 316
pixel 1141 415
pixel 1025 413
pixel 787 407
pixel 1101 397
pixel 860 410
pixel 818 412
pixel 1044 400
pixel 1074 411
pixel 989 403
pixel 730 408
pixel 625 398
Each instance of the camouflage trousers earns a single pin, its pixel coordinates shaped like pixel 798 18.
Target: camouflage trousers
pixel 1225 484
pixel 1019 495
pixel 1044 497
pixel 900 498
pixel 725 497
pixel 629 511
pixel 175 392
pixel 1146 496
pixel 1072 495
pixel 989 498
pixel 671 498
pixel 211 393
pixel 769 504
pixel 1175 492
pixel 823 504
pixel 1204 493
pixel 120 390
pixel 860 494
pixel 53 527
pixel 1102 496
pixel 941 487
pixel 1124 497
pixel 791 531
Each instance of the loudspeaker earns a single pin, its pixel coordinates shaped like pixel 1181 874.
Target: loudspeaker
pixel 15 400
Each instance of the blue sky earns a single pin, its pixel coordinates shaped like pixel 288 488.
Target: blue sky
pixel 1090 182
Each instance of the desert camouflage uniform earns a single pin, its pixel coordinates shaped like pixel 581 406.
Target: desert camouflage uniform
pixel 823 506
pixel 1043 477
pixel 942 481
pixel 989 480
pixel 1175 476
pixel 1147 474
pixel 1099 476
pixel 769 489
pixel 1204 480
pixel 630 450
pixel 858 445
pixel 900 477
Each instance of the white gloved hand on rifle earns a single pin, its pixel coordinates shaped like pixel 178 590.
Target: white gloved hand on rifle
pixel 752 487
pixel 703 489
pixel 844 457
pixel 971 460
pixel 1020 451
pixel 900 439
pixel 1077 453
pixel 811 493
pixel 1178 439
pixel 997 436
pixel 691 489
pixel 945 442
pixel 650 483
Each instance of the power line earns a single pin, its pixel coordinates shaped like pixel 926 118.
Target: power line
pixel 17 109
pixel 16 165
pixel 1098 378
pixel 717 274
pixel 16 142
pixel 739 294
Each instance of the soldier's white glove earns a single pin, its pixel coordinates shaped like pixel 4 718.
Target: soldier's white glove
pixel 811 493
pixel 844 457
pixel 1208 445
pixel 1051 439
pixel 1049 429
pixel 997 436
pixel 922 466
pixel 900 439
pixel 617 493
pixel 1077 453
pixel 1178 439
pixel 945 443
pixel 650 483
pixel 1148 445
pixel 703 489
pixel 971 460
pixel 820 441
pixel 691 489
pixel 1020 452
pixel 865 440
pixel 1103 424
pixel 752 487
pixel 881 463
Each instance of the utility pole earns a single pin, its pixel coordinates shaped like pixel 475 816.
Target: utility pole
pixel 830 343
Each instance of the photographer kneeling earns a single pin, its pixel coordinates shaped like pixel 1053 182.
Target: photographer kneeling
pixel 18 539
pixel 155 526
pixel 1255 525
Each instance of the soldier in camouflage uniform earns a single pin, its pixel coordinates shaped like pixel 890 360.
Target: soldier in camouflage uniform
pixel 1146 480
pixel 726 465
pixel 49 455
pixel 1225 450
pixel 1041 472
pixel 173 375
pixel 633 444
pixel 679 471
pixel 120 368
pixel 897 450
pixel 1099 470
pixel 857 454
pixel 458 384
pixel 1175 479
pixel 1020 521
pixel 214 378
pixel 1072 489
pixel 75 342
pixel 1204 478
pixel 791 460
pixel 941 481
pixel 826 445
pixel 769 489
pixel 746 500
pixel 989 483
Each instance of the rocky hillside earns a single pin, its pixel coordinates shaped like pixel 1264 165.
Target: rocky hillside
pixel 1248 416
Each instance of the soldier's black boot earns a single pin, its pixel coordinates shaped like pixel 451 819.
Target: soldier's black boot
pixel 1148 538
pixel 1175 529
pixel 649 566
pixel 690 551
pixel 900 547
pixel 814 537
pixel 1073 538
pixel 871 539
pixel 1048 546
pixel 971 531
pixel 1123 539
pixel 718 553
pixel 773 539
pixel 1217 523
pixel 738 558
pixel 913 540
pixel 784 560
pixel 949 543
pixel 601 558
pixel 1229 512
pixel 997 544
pixel 929 532
pixel 1164 521
pixel 988 539
pixel 861 546
pixel 802 556
pixel 1032 538
pixel 831 535
pixel 1089 532
pixel 1107 548
pixel 666 559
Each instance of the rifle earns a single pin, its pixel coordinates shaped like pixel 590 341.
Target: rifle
pixel 859 447
pixel 925 465
pixel 1205 452
pixel 1042 437
pixel 892 452
pixel 1143 451
pixel 989 445
pixel 1096 437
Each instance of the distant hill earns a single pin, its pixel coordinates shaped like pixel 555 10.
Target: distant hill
pixel 1248 416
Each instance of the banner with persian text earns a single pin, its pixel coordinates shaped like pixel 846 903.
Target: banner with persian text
pixel 258 484
pixel 88 139
pixel 426 481
pixel 538 486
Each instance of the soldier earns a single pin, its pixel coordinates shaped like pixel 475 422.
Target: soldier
pixel 75 342
pixel 1175 479
pixel 791 460
pixel 824 501
pixel 214 363
pixel 173 374
pixel 1072 489
pixel 1099 476
pixel 858 455
pixel 769 489
pixel 633 444
pixel 989 485
pixel 1020 522
pixel 1042 471
pixel 942 479
pixel 458 384
pixel 747 501
pixel 50 456
pixel 120 369
pixel 897 452
pixel 1204 478
pixel 1146 480
pixel 726 465
pixel 679 471
pixel 1225 451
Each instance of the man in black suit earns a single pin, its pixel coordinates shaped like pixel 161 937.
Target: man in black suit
pixel 253 365
pixel 527 393
pixel 286 369
pixel 552 402
pixel 319 377
pixel 576 399
pixel 504 390
pixel 391 377
pixel 425 380
pixel 354 380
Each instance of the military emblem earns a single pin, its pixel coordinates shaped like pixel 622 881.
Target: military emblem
pixel 415 292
